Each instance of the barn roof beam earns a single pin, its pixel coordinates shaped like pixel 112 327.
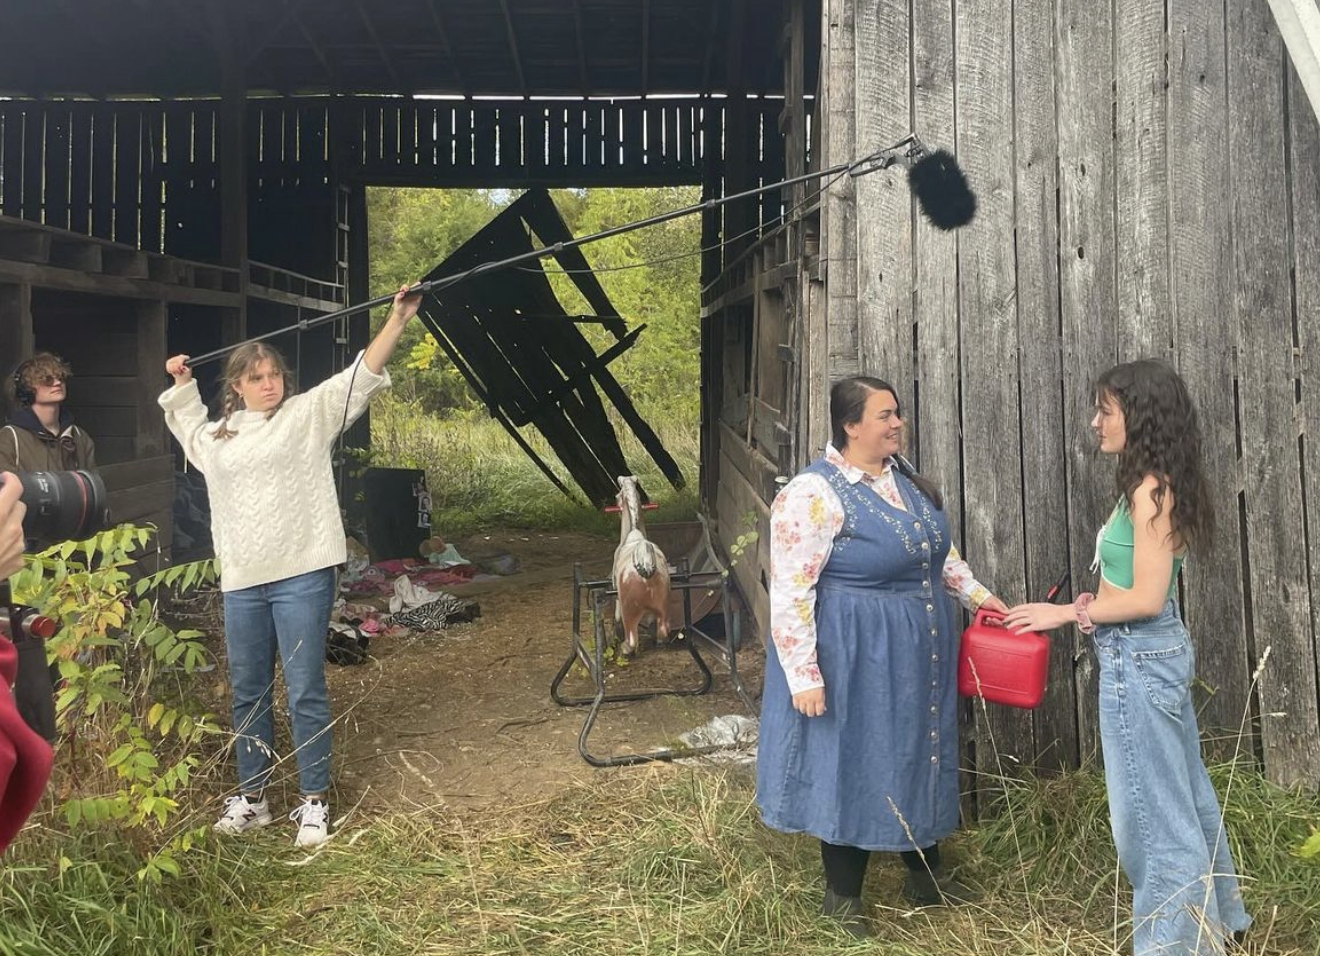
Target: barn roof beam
pixel 442 32
pixel 583 75
pixel 381 48
pixel 513 47
pixel 712 31
pixel 646 47
pixel 288 15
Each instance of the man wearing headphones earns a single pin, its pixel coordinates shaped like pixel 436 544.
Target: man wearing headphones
pixel 41 435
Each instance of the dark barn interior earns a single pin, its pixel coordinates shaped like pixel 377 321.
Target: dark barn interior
pixel 175 177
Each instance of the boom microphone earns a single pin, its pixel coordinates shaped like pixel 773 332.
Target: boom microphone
pixel 942 191
pixel 933 176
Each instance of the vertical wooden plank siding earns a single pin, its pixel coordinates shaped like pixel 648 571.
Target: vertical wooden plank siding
pixel 936 404
pixel 11 152
pixel 152 133
pixel 839 213
pixel 55 193
pixel 992 517
pixel 1145 318
pixel 128 173
pixel 103 172
pixel 1279 608
pixel 80 168
pixel 1083 38
pixel 1044 486
pixel 149 440
pixel 882 112
pixel 1201 270
pixel 34 153
pixel 1304 143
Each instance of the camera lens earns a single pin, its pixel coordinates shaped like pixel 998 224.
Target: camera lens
pixel 63 506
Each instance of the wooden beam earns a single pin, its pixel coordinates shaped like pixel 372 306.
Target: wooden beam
pixel 150 439
pixel 70 280
pixel 16 331
pixel 438 19
pixel 287 16
pixel 581 377
pixel 513 47
pixel 1299 22
pixel 317 49
pixel 646 47
pixel 186 15
pixel 711 32
pixel 381 48
pixel 583 75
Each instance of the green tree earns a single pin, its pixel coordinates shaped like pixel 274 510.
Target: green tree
pixel 411 232
pixel 650 275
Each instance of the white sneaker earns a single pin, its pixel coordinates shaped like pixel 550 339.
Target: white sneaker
pixel 242 815
pixel 313 817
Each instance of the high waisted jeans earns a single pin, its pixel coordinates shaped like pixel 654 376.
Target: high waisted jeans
pixel 1165 814
pixel 292 617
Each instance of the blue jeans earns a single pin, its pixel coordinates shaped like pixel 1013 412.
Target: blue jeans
pixel 1164 811
pixel 291 616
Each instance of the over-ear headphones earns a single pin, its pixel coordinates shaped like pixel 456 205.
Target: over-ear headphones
pixel 23 392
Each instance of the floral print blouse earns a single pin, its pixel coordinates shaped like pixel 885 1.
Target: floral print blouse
pixel 804 520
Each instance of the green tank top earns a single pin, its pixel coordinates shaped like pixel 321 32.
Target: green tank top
pixel 1114 550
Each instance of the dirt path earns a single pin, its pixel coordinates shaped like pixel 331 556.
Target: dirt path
pixel 464 717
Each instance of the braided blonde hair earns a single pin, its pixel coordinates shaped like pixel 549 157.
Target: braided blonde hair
pixel 242 362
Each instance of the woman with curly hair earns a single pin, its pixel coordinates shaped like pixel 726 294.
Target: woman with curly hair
pixel 1165 815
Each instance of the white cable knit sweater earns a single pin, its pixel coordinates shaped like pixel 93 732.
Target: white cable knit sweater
pixel 274 510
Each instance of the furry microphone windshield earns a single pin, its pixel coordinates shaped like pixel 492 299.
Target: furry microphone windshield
pixel 942 191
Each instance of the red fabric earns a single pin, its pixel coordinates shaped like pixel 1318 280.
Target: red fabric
pixel 456 574
pixel 25 759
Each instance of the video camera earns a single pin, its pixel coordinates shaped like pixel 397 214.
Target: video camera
pixel 62 506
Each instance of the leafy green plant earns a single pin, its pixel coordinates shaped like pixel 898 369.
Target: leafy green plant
pixel 130 740
pixel 1310 848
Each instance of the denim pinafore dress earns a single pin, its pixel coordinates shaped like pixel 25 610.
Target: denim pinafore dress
pixel 879 769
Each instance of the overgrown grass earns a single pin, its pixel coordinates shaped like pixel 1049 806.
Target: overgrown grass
pixel 479 477
pixel 639 862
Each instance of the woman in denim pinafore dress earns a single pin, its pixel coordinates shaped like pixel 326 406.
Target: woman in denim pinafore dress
pixel 1164 812
pixel 859 718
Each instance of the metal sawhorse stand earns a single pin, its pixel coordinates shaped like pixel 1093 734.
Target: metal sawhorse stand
pixel 600 594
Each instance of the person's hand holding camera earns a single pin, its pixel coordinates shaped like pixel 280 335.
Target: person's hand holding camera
pixel 12 511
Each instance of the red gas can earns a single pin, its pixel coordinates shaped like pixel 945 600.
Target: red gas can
pixel 1002 667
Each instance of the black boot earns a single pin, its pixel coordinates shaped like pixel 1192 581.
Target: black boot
pixel 936 888
pixel 847 911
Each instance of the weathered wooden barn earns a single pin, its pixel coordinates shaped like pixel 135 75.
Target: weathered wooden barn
pixel 177 176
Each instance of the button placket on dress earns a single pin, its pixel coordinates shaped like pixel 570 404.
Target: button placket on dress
pixel 932 623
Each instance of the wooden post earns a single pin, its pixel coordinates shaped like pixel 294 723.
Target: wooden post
pixel 739 217
pixel 16 333
pixel 839 212
pixel 359 334
pixel 1299 22
pixel 150 440
pixel 231 149
pixel 712 180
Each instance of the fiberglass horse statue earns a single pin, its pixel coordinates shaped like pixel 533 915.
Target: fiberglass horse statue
pixel 641 573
